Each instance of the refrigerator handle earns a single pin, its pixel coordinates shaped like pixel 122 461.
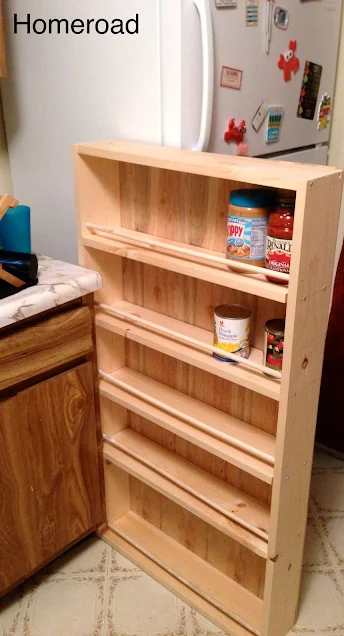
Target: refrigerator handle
pixel 204 11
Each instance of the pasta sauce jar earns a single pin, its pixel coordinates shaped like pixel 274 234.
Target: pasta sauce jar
pixel 274 344
pixel 247 225
pixel 232 331
pixel 280 237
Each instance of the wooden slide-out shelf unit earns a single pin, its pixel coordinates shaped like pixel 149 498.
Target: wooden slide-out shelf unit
pixel 207 464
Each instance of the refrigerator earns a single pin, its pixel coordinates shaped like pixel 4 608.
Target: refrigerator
pixel 196 69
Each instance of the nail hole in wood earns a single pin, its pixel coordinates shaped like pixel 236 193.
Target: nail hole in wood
pixel 289 568
pixel 305 363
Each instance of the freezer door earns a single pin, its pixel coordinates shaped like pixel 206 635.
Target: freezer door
pixel 316 156
pixel 314 25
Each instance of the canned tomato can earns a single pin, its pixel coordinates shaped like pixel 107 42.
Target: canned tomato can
pixel 274 344
pixel 232 330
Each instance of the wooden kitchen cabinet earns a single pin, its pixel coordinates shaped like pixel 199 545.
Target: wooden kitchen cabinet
pixel 49 474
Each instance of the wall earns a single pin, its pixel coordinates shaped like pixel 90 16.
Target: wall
pixel 67 89
pixel 336 153
pixel 5 178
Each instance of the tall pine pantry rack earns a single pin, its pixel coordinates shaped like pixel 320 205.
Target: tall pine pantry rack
pixel 207 465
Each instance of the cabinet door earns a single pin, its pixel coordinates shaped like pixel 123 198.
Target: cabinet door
pixel 49 472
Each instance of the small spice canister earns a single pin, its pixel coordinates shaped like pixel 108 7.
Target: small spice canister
pixel 232 330
pixel 274 343
pixel 248 215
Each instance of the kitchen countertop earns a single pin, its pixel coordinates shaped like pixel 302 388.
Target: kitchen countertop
pixel 58 283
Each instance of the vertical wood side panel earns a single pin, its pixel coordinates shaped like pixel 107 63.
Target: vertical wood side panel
pixel 97 199
pixel 315 230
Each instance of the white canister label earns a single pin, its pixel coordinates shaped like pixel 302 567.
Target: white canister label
pixel 232 335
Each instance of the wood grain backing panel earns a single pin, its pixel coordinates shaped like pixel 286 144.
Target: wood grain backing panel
pixel 48 471
pixel 193 533
pixel 202 458
pixel 171 582
pixel 55 341
pixel 228 397
pixel 192 300
pixel 176 205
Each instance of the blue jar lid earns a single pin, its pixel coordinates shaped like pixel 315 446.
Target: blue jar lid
pixel 254 198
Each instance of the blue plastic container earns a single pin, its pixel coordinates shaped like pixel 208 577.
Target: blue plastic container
pixel 15 229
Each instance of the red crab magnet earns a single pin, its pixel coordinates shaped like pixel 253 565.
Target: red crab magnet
pixel 288 62
pixel 235 132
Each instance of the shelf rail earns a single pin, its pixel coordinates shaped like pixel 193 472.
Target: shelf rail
pixel 171 478
pixel 122 234
pixel 148 324
pixel 195 423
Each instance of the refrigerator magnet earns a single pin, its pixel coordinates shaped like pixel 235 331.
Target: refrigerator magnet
pixel 288 62
pixel 281 18
pixel 324 112
pixel 309 90
pixel 259 116
pixel 231 78
pixel 275 119
pixel 252 13
pixel 220 4
pixel 235 132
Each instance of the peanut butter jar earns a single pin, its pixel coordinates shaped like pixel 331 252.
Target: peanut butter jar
pixel 247 223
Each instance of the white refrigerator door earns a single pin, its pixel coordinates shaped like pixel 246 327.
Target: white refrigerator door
pixel 313 24
pixel 316 156
pixel 65 89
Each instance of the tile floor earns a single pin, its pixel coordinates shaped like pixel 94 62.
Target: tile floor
pixel 94 591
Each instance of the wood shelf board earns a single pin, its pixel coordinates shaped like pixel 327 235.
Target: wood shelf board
pixel 239 374
pixel 219 420
pixel 215 587
pixel 200 487
pixel 242 169
pixel 218 274
pixel 172 583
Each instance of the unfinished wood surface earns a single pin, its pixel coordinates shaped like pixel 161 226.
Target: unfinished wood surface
pixel 244 169
pixel 211 584
pixel 192 300
pixel 48 472
pixel 221 275
pixel 171 333
pixel 181 198
pixel 117 491
pixel 228 397
pixel 172 583
pixel 46 344
pixel 97 197
pixel 6 200
pixel 149 241
pixel 185 499
pixel 311 278
pixel 216 548
pixel 3 65
pixel 132 449
pixel 237 373
pixel 227 437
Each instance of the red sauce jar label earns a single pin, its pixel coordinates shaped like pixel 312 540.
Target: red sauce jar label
pixel 278 254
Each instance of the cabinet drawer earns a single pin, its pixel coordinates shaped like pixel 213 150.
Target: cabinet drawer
pixel 45 345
